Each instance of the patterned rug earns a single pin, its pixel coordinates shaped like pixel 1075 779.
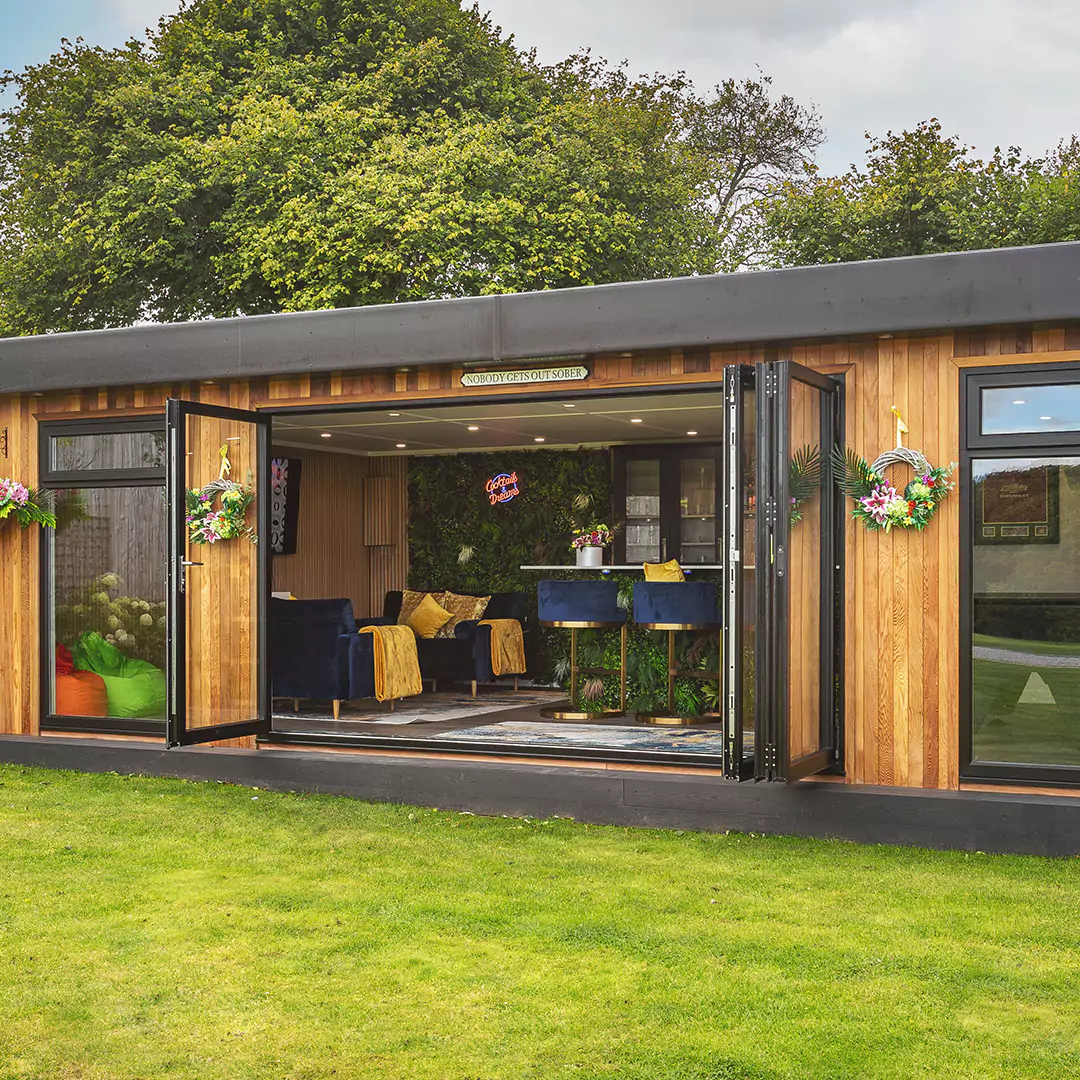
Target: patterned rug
pixel 639 737
pixel 427 708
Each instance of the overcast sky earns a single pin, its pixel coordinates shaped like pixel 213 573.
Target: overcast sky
pixel 993 71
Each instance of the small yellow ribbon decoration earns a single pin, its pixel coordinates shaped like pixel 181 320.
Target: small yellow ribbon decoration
pixel 226 464
pixel 901 428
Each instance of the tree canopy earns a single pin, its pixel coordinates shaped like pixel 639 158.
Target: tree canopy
pixel 923 192
pixel 263 155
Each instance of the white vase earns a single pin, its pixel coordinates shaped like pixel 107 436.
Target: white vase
pixel 590 556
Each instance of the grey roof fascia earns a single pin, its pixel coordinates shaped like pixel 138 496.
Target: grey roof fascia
pixel 924 293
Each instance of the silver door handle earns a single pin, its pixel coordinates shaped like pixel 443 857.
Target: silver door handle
pixel 185 562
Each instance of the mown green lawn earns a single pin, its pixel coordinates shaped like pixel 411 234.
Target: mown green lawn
pixel 153 928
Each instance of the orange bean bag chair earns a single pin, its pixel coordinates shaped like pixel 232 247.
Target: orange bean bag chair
pixel 78 693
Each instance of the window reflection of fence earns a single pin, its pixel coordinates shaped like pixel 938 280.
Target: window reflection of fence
pixel 124 534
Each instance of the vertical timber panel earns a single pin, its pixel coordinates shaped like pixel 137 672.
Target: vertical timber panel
pixel 19 548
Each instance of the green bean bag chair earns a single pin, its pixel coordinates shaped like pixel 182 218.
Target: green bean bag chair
pixel 135 688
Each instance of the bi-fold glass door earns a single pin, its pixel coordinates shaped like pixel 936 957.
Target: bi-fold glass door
pixel 218 586
pixel 782 572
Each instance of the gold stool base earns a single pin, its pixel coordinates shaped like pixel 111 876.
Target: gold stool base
pixel 580 716
pixel 667 721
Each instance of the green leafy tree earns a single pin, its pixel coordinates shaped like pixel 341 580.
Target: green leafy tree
pixel 748 142
pixel 263 155
pixel 923 192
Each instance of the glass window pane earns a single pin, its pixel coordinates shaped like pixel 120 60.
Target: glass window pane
pixel 108 450
pixel 643 511
pixel 697 505
pixel 1009 410
pixel 1026 622
pixel 107 608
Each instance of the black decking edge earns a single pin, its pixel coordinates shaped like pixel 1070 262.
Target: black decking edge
pixel 991 822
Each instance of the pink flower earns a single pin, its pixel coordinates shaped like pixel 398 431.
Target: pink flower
pixel 19 495
pixel 877 503
pixel 5 491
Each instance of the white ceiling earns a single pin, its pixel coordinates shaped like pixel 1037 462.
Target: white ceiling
pixel 570 421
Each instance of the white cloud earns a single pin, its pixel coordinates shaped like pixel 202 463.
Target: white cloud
pixel 993 71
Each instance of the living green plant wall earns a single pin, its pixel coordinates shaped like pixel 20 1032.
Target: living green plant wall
pixel 459 539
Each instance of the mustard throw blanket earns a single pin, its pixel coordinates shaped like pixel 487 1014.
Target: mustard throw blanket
pixel 397 668
pixel 507 646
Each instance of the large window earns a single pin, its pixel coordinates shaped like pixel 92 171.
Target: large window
pixel 1021 582
pixel 104 576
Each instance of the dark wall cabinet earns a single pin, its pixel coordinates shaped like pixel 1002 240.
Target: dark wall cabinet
pixel 665 503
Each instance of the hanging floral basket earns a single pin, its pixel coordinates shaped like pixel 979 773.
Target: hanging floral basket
pixel 26 505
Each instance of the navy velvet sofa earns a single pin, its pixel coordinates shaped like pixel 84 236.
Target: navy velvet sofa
pixel 316 652
pixel 467 656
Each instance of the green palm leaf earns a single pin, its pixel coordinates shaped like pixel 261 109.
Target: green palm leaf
pixel 854 476
pixel 805 475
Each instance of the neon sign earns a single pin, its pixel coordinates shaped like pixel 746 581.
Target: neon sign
pixel 502 488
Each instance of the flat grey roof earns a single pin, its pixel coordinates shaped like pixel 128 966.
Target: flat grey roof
pixel 927 292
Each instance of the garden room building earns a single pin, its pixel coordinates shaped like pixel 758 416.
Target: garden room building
pixel 332 550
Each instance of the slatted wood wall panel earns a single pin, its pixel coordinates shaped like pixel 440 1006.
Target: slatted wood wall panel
pixel 19 643
pixel 329 559
pixel 902 595
pixel 352 538
pixel 388 564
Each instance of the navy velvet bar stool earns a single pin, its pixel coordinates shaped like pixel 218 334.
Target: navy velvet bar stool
pixel 583 605
pixel 675 606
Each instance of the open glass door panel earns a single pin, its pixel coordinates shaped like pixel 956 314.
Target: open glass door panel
pixel 218 572
pixel 799 597
pixel 739 520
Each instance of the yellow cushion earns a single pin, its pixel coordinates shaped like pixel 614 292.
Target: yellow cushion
pixel 428 617
pixel 462 608
pixel 410 600
pixel 664 571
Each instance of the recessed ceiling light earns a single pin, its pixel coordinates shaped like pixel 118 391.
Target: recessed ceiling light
pixel 393 414
pixel 473 427
pixel 636 420
pixel 539 438
pixel 326 435
pixel 1019 402
pixel 400 446
pixel 691 433
pixel 569 406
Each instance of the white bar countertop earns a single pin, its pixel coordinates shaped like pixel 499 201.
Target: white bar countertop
pixel 607 569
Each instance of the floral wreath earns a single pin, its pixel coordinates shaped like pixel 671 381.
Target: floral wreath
pixel 207 525
pixel 878 505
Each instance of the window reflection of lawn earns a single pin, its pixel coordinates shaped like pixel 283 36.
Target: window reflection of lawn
pixel 1026 712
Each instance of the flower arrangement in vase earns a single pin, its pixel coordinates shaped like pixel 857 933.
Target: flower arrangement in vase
pixel 589 543
pixel 28 506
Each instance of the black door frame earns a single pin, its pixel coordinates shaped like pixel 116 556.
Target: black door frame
pixel 176 413
pixel 772 752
